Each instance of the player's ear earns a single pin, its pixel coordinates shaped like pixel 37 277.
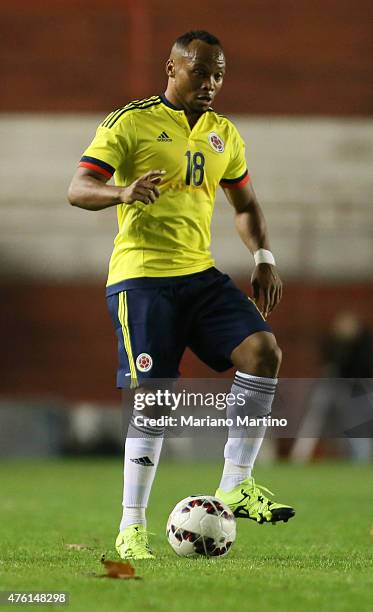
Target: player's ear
pixel 170 68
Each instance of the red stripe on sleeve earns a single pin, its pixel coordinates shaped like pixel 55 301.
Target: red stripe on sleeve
pixel 241 183
pixel 96 168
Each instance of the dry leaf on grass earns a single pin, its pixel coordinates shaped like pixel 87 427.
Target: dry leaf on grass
pixel 118 569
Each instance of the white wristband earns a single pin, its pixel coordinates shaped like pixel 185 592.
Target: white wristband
pixel 264 256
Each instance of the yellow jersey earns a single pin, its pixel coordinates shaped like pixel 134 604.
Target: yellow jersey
pixel 170 237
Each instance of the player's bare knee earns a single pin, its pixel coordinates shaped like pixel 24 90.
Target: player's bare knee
pixel 267 355
pixel 259 354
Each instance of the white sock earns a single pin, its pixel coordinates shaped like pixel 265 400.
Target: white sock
pixel 233 474
pixel 140 466
pixel 240 451
pixel 132 516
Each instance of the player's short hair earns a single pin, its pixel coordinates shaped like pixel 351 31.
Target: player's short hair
pixel 185 39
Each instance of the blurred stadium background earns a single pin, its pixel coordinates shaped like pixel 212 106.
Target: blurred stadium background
pixel 300 87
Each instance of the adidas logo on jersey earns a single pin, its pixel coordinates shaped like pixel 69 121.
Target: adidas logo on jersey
pixel 164 137
pixel 144 461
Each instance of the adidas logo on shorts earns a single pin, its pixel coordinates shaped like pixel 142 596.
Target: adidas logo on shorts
pixel 144 461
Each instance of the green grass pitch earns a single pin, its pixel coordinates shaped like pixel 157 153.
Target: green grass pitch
pixel 320 561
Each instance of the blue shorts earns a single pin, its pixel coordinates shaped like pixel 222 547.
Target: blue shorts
pixel 155 319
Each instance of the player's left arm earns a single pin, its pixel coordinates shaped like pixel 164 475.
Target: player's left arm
pixel 252 228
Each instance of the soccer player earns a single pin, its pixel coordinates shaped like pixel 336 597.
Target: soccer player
pixel 169 154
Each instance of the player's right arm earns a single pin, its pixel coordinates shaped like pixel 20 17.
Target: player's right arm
pixel 111 148
pixel 88 190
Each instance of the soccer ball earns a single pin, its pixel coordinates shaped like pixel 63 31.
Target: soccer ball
pixel 201 525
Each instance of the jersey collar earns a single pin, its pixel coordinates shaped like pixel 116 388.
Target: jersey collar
pixel 166 102
pixel 169 104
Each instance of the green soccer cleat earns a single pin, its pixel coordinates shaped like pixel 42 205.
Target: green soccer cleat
pixel 247 501
pixel 132 543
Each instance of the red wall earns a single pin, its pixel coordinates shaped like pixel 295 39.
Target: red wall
pixel 288 57
pixel 58 340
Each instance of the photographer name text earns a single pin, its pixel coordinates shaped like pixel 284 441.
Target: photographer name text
pixel 191 421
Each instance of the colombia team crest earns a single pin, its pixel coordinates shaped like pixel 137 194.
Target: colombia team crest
pixel 216 142
pixel 144 362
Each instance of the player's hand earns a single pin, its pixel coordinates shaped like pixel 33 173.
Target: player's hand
pixel 267 288
pixel 143 189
